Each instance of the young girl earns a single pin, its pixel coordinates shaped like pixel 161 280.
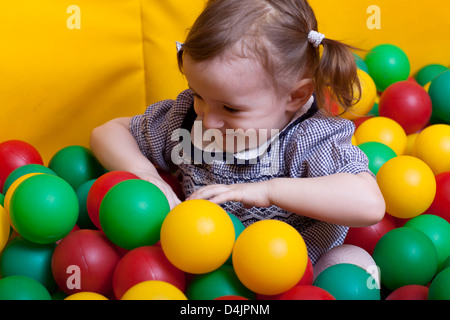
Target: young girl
pixel 256 76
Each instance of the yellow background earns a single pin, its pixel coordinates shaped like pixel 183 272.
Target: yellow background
pixel 57 84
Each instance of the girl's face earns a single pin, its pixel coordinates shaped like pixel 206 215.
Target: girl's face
pixel 231 96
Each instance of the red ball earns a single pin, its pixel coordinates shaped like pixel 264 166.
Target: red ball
pixel 98 190
pixel 15 154
pixel 441 203
pixel 306 293
pixel 142 264
pixel 231 298
pixel 85 260
pixel 408 104
pixel 367 237
pixel 409 292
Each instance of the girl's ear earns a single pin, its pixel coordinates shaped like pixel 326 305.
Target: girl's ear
pixel 300 94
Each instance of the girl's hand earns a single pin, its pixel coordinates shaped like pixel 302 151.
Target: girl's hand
pixel 162 185
pixel 249 194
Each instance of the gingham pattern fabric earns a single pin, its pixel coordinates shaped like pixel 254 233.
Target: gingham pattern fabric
pixel 312 146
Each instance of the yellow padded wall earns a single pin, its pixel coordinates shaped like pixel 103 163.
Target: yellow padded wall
pixel 57 82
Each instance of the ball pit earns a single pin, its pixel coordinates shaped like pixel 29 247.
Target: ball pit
pixel 441 203
pixel 439 92
pixel 154 290
pixel 22 288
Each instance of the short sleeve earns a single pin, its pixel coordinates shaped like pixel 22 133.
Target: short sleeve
pixel 153 130
pixel 322 146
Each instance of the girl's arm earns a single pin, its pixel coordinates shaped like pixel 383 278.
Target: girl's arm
pixel 352 200
pixel 116 149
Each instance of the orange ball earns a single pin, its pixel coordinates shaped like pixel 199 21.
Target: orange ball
pixel 197 236
pixel 432 145
pixel 408 186
pixel 270 257
pixel 383 130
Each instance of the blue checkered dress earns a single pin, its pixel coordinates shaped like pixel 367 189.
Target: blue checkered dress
pixel 312 146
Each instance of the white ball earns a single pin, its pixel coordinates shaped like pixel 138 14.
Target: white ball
pixel 348 253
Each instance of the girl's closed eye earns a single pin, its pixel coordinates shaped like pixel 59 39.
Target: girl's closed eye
pixel 229 109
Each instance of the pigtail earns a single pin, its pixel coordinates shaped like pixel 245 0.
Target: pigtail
pixel 336 77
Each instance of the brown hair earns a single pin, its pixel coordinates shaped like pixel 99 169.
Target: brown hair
pixel 276 33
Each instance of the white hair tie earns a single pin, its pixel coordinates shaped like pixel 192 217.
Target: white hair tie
pixel 315 38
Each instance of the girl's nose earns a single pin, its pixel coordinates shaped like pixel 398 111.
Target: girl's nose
pixel 211 119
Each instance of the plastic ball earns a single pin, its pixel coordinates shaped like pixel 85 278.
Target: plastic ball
pixel 26 258
pixel 347 253
pixel 429 72
pixel 432 145
pixel 132 212
pixel 409 292
pixel 99 189
pixel 387 64
pixel 377 153
pixel 231 297
pixel 23 170
pixel 367 99
pixel 367 237
pixel 154 290
pixel 360 63
pixel 440 286
pixel 383 130
pixel 408 186
pixel 197 236
pixel 411 139
pixel 76 165
pixel 345 281
pixel 86 296
pixel 441 203
pixel 405 256
pixel 408 104
pixel 14 154
pixel 220 282
pixel 22 288
pixel 270 257
pixel 306 293
pixel 4 228
pixel 437 230
pixel 439 92
pixel 84 221
pixel 143 264
pixel 85 260
pixel 44 208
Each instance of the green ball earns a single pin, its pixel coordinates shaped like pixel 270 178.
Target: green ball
pixel 26 258
pixel 428 73
pixel 437 229
pixel 346 281
pixel 218 283
pixel 377 153
pixel 84 221
pixel 405 256
pixel 360 63
pixel 440 286
pixel 23 170
pixel 22 288
pixel 387 64
pixel 439 92
pixel 132 212
pixel 44 208
pixel 76 165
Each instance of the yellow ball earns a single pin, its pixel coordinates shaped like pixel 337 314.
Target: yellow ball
pixel 269 257
pixel 408 186
pixel 411 140
pixel 86 296
pixel 197 236
pixel 4 228
pixel 384 130
pixel 153 290
pixel 367 100
pixel 433 146
pixel 11 190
